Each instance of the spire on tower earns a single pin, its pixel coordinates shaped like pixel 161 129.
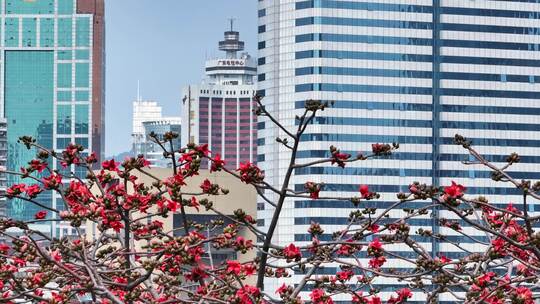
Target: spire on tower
pixel 231 20
pixel 138 90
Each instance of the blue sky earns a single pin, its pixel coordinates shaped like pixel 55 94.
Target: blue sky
pixel 163 43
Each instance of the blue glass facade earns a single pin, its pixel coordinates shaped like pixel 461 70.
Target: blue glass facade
pixel 29 95
pixel 46 58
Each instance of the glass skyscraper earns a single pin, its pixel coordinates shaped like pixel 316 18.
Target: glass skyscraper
pixel 52 75
pixel 412 72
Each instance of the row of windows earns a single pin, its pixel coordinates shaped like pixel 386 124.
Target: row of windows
pixel 362 6
pixel 416 25
pixel 345 220
pixel 68 55
pixel 80 95
pixel 397 189
pixel 496 142
pixel 335 204
pixel 361 88
pixel 415 58
pixel 415 8
pixel 402 172
pixel 422 156
pixel 326 70
pixel 65 7
pixel 363 22
pixel 332 87
pixel 361 39
pixel 402 106
pixel 383 122
pixel 416 41
pixel 62 143
pixel 29 32
pixel 452 238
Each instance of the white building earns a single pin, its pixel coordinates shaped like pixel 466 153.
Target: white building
pixel 142 111
pixel 413 72
pixel 219 111
pixel 152 151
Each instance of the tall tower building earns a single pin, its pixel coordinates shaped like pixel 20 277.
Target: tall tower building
pixel 219 111
pixel 52 78
pixel 412 72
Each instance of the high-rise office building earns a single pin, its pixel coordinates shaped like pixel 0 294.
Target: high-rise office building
pixel 412 72
pixel 52 78
pixel 154 152
pixel 219 111
pixel 147 118
pixel 142 111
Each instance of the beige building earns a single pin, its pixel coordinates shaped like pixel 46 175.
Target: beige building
pixel 240 196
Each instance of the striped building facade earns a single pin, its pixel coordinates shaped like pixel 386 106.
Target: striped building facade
pixel 413 72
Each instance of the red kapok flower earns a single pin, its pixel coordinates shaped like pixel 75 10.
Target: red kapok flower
pixel 246 293
pixel 4 248
pixel 40 215
pixel 52 182
pixel 364 191
pixel 318 296
pixel 402 296
pixel 110 165
pixel 338 157
pixel 485 279
pixel 283 288
pixel 313 189
pixel 344 275
pixel 202 149
pixel 455 190
pixel 292 252
pixel 249 173
pixel 33 191
pixel 38 165
pixel 217 163
pixel 15 190
pixel 523 295
pixel 194 203
pixel 207 187
pixel 377 262
pixel 234 266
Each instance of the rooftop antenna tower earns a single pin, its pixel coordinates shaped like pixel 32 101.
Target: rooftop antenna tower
pixel 231 20
pixel 232 44
pixel 138 90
